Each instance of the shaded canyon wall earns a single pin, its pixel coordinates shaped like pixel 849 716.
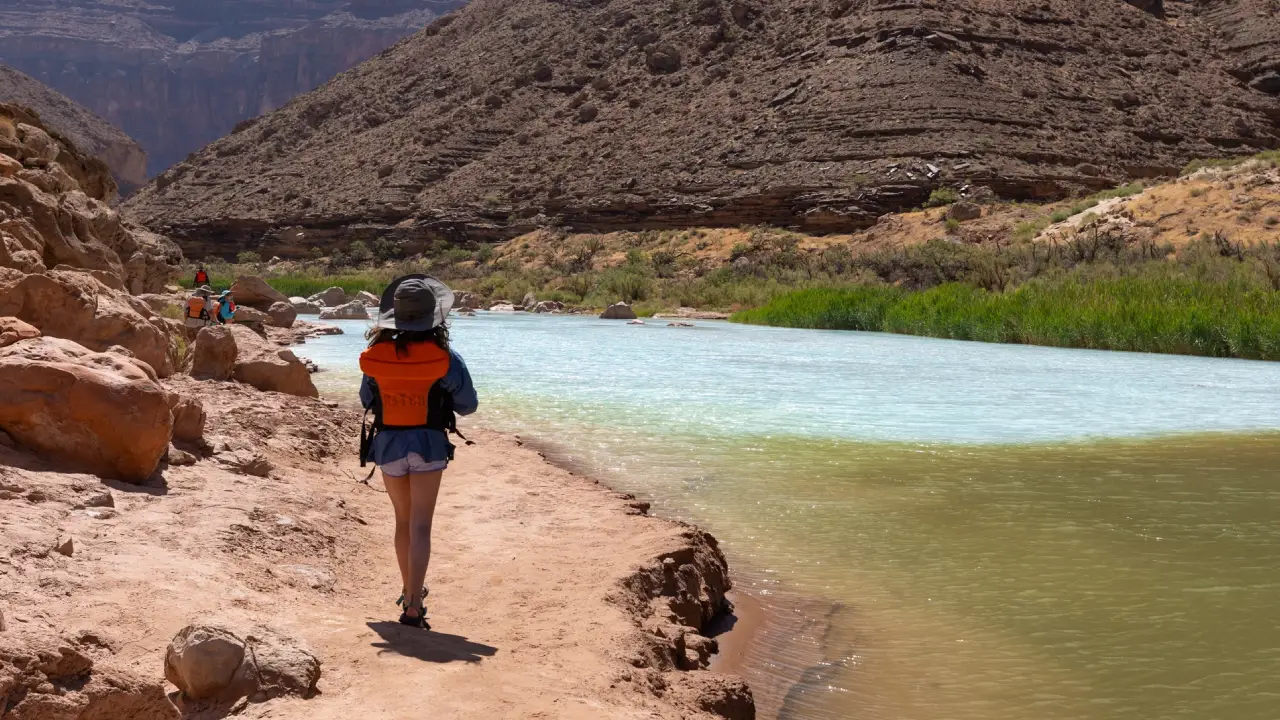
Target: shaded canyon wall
pixel 179 75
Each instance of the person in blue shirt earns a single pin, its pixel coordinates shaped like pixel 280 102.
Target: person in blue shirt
pixel 226 308
pixel 414 385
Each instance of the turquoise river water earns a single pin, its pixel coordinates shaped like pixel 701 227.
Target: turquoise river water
pixel 994 531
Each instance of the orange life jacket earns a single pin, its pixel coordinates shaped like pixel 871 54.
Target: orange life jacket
pixel 195 307
pixel 202 277
pixel 404 383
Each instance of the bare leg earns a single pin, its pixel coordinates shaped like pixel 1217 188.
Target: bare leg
pixel 398 491
pixel 424 489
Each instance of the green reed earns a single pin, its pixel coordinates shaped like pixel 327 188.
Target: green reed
pixel 1155 310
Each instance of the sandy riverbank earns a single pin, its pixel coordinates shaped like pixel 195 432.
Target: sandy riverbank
pixel 551 596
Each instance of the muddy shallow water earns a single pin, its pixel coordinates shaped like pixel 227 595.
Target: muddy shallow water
pixel 993 531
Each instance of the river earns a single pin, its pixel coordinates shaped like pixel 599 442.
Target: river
pixel 996 531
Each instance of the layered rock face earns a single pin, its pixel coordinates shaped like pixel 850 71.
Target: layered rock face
pixel 177 74
pixel 53 211
pixel 1250 36
pixel 90 133
pixel 821 115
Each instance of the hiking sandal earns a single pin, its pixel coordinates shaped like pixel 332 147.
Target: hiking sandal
pixel 400 600
pixel 419 622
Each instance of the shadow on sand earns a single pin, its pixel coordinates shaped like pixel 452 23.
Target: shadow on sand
pixel 427 645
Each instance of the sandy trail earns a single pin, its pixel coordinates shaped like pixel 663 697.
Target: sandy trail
pixel 531 614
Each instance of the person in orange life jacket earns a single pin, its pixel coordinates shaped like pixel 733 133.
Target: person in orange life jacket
pixel 202 277
pixel 198 306
pixel 414 384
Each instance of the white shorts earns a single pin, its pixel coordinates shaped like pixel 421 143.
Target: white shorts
pixel 413 465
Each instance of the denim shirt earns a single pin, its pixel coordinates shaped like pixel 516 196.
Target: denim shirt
pixel 432 445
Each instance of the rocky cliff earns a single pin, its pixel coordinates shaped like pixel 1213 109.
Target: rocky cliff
pixel 1250 36
pixel 90 133
pixel 177 74
pixel 821 115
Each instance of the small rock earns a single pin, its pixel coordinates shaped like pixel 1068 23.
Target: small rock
pixel 188 418
pixel 202 661
pixel 180 458
pixel 663 59
pixel 354 310
pixel 66 546
pixel 101 513
pixel 332 297
pixel 247 462
pixel 305 307
pixel 209 662
pixel 502 308
pixel 100 499
pixel 12 329
pixel 587 113
pixel 635 322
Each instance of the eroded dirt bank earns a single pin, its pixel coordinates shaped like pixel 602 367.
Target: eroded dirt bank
pixel 550 595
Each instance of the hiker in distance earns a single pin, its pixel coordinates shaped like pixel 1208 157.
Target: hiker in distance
pixel 414 386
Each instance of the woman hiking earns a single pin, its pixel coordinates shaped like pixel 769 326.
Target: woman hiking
pixel 414 384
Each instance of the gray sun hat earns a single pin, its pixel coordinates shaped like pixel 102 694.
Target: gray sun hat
pixel 414 302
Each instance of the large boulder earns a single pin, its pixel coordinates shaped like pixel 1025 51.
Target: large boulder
pixel 333 297
pixel 47 675
pixel 253 291
pixel 213 355
pixel 368 298
pixel 282 314
pixel 354 310
pixel 548 306
pixel 104 412
pixel 305 306
pixel 530 300
pixel 215 663
pixel 618 311
pixel 263 365
pixel 77 306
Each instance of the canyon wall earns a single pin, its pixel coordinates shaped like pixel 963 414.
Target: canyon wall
pixel 178 74
pixel 821 115
pixel 89 133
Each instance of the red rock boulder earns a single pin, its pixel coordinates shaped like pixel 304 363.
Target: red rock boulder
pixel 103 412
pixel 263 365
pixel 77 306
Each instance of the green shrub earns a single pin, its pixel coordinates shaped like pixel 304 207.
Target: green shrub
pixel 942 196
pixel 248 257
